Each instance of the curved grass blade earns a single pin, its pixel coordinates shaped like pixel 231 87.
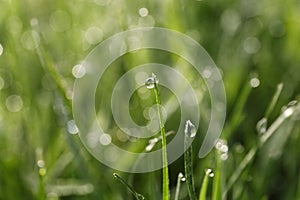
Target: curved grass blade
pixel 208 173
pixel 189 133
pixel 179 179
pixel 130 188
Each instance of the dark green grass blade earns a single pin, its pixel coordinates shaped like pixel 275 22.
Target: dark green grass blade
pixel 130 188
pixel 188 163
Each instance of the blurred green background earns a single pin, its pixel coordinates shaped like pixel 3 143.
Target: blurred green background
pixel 42 42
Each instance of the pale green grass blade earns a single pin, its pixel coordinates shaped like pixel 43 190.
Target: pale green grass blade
pixel 179 179
pixel 274 100
pixel 208 174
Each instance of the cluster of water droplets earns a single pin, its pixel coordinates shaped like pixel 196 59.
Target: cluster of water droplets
pixel 40 162
pixel 222 148
pixel 181 177
pixel 151 81
pixel 209 173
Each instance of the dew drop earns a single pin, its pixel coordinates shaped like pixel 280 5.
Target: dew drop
pixel 224 148
pixel 143 12
pixel 78 71
pixel 150 146
pixel 190 129
pixel 151 81
pixel 105 139
pixel 40 163
pixel 72 127
pixel 261 125
pixel 224 156
pixel 288 112
pixel 254 82
pixel 209 173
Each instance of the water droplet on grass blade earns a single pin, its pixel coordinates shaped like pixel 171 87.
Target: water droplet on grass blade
pixel 151 81
pixel 209 172
pixel 190 129
pixel 261 125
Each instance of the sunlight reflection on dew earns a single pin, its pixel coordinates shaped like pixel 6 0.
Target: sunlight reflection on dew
pixel 72 127
pixel 254 82
pixel 78 71
pixel 143 12
pixel 209 172
pixel 14 103
pixel 105 139
pixel 190 129
pixel 40 163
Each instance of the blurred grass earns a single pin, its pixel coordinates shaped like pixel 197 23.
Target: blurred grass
pixel 43 40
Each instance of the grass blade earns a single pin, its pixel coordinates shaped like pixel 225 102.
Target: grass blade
pixel 217 184
pixel 189 133
pixel 166 192
pixel 250 155
pixel 130 188
pixel 274 100
pixel 208 174
pixel 179 179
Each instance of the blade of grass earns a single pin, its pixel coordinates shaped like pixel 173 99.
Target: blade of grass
pixel 179 179
pixel 236 115
pixel 166 192
pixel 217 184
pixel 274 100
pixel 188 160
pixel 130 188
pixel 208 174
pixel 250 155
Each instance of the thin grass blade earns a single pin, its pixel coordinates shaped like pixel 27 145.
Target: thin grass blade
pixel 130 188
